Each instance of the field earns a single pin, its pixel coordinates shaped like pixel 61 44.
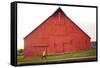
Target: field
pixel 86 53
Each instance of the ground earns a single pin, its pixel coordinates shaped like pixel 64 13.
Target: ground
pixel 87 53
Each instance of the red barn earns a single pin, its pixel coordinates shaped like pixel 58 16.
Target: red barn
pixel 58 34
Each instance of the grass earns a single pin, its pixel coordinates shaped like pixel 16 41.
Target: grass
pixel 86 53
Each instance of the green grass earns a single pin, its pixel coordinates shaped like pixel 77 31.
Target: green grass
pixel 86 53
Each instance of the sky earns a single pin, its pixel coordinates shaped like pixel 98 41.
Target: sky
pixel 31 16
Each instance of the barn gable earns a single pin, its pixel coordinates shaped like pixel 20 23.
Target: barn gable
pixel 59 16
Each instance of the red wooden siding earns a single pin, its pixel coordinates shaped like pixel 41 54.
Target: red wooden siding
pixel 57 35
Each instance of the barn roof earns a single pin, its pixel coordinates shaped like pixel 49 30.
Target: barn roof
pixel 58 10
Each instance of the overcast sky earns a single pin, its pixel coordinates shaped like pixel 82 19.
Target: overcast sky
pixel 30 16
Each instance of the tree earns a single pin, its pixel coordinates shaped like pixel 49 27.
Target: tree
pixel 20 52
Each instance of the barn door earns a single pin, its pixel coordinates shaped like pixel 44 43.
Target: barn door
pixel 59 48
pixel 68 47
pixel 39 50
